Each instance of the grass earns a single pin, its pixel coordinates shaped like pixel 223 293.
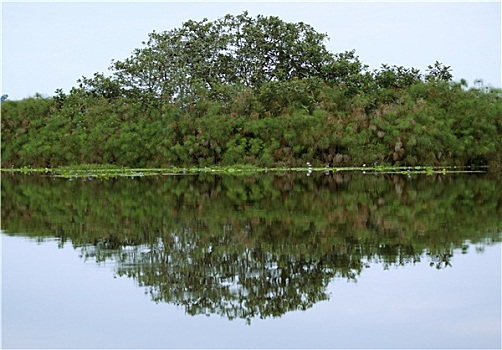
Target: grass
pixel 112 171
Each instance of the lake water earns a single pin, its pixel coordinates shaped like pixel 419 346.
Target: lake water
pixel 337 260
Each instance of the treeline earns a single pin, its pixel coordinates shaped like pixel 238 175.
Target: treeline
pixel 256 91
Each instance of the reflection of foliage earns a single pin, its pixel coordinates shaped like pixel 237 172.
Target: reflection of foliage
pixel 255 246
pixel 232 280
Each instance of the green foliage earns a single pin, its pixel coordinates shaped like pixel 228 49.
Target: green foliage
pixel 21 124
pixel 347 72
pixel 439 72
pixel 256 91
pixel 396 77
pixel 180 64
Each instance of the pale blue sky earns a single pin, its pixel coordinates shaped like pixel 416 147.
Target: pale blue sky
pixel 46 46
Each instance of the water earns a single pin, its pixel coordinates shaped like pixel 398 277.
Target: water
pixel 270 261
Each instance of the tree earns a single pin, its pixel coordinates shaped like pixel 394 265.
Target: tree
pixel 348 72
pixel 438 72
pixel 240 51
pixel 397 77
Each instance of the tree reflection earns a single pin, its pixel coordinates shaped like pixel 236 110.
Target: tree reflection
pixel 225 277
pixel 256 246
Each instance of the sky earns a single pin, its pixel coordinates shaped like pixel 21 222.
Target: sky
pixel 49 45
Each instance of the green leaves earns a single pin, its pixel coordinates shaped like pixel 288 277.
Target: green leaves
pixel 234 50
pixel 438 72
pixel 397 77
pixel 254 90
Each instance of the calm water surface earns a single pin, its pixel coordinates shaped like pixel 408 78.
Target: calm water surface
pixel 269 261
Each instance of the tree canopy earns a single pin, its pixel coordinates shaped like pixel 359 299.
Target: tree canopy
pixel 238 52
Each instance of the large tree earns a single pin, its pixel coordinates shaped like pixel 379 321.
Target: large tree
pixel 237 51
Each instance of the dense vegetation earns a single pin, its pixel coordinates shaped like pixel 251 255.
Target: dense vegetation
pixel 256 246
pixel 259 91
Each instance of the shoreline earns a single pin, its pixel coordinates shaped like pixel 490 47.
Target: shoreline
pixel 110 171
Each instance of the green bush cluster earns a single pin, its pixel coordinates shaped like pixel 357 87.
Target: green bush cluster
pixel 281 124
pixel 256 91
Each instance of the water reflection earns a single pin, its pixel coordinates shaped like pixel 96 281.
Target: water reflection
pixel 256 246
